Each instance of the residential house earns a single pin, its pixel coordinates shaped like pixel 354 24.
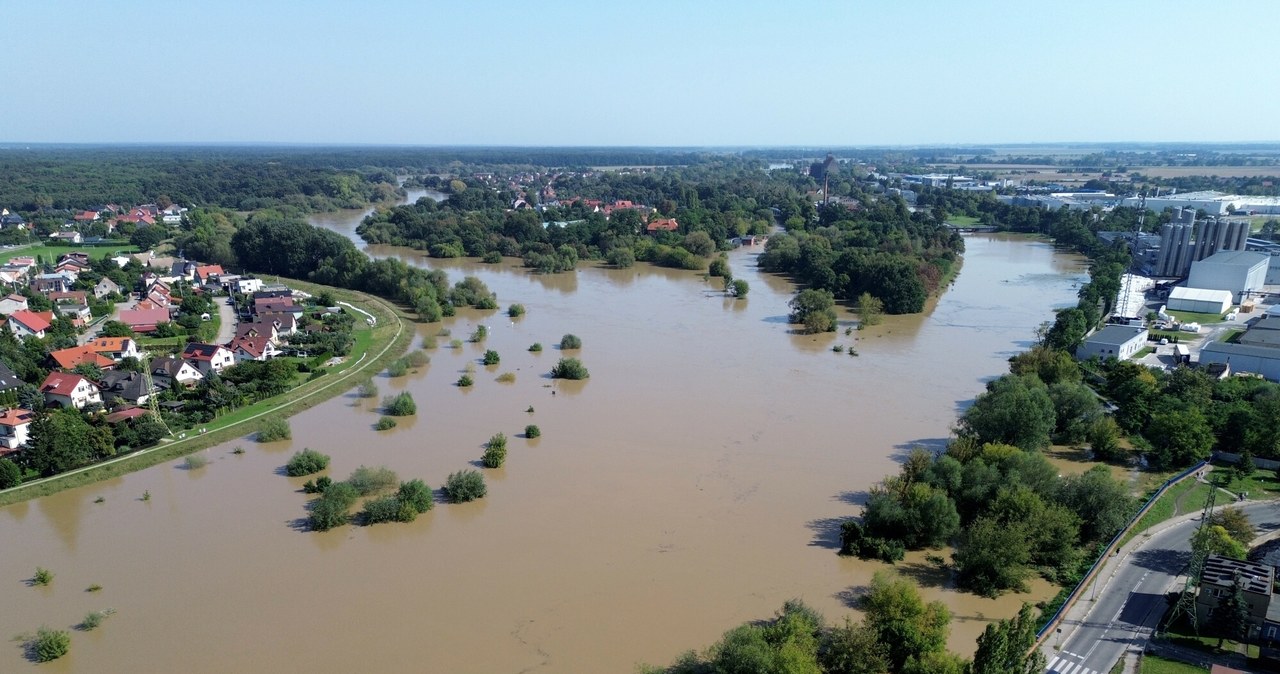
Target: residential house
pixel 173 371
pixel 15 427
pixel 207 274
pixel 172 215
pixel 72 267
pixel 8 219
pixel 79 314
pixel 248 284
pixel 86 216
pixel 71 357
pixel 1219 579
pixel 118 385
pixel 52 283
pixel 208 357
pixel 144 320
pixel 11 303
pixel 268 292
pixel 662 225
pixel 12 274
pixel 26 323
pixel 276 305
pixel 10 384
pixel 126 413
pixel 284 323
pixel 116 348
pixel 121 260
pixel 105 287
pixel 253 347
pixel 64 238
pixel 64 389
pixel 183 269
pixel 68 297
pixel 159 294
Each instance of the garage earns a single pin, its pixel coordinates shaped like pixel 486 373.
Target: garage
pixel 1199 300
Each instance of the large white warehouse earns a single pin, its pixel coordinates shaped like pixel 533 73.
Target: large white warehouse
pixel 1234 270
pixel 1200 300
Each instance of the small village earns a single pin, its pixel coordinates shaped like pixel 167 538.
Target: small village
pixel 143 346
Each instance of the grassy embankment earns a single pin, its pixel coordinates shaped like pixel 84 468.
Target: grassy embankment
pixel 963 220
pixel 374 349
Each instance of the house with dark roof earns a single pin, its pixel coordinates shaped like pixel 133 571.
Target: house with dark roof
pixel 52 283
pixel 1219 580
pixel 130 387
pixel 65 389
pixel 172 371
pixel 10 382
pixel 208 357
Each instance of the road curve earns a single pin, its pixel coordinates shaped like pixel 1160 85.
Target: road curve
pixel 1124 605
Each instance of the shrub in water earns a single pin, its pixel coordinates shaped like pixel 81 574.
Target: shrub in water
pixel 532 431
pixel 569 368
pixel 42 576
pixel 50 644
pixel 400 405
pixel 570 342
pixel 507 377
pixel 382 509
pixel 495 451
pixel 480 334
pixel 332 508
pixel 417 494
pixel 417 359
pixel 537 346
pixel 465 485
pixel 94 618
pixel 274 429
pixel 429 342
pixel 455 344
pixel 515 310
pixel 196 461
pixel 367 389
pixel 318 486
pixel 465 380
pixel 492 257
pixel 93 588
pixel 491 357
pixel 366 480
pixel 385 424
pixel 306 462
pixel 399 368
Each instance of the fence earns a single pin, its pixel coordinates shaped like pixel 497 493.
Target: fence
pixel 1058 615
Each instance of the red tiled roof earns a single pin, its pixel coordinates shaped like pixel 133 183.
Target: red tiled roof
pixel 36 321
pixel 254 345
pixel 209 270
pixel 16 417
pixel 61 383
pixel 125 414
pixel 663 225
pixel 132 317
pixel 80 355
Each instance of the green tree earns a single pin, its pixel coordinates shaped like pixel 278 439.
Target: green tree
pixel 116 329
pixel 1051 365
pixel 1104 439
pixel 306 462
pixel 1014 410
pixel 10 474
pixel 1233 618
pixel 992 557
pixel 465 485
pixel 1008 647
pixel 815 309
pixel 61 440
pixel 569 368
pixel 1215 540
pixel 1179 438
pixel 739 288
pixel 1235 523
pixel 870 310
pixel 902 621
pixel 50 644
pixel 853 649
pixel 1102 503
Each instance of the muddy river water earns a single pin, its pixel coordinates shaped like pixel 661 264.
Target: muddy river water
pixel 695 481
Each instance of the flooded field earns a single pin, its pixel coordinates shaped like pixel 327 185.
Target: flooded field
pixel 695 481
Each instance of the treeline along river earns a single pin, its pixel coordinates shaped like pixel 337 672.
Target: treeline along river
pixel 694 482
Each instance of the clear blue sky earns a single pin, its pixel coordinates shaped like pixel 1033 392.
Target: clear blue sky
pixel 652 72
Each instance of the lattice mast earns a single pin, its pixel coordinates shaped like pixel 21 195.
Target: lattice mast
pixel 1187 600
pixel 1127 291
pixel 153 400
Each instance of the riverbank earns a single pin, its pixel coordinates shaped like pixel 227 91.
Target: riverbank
pixel 375 347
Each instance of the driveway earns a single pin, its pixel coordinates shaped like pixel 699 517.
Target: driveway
pixel 227 314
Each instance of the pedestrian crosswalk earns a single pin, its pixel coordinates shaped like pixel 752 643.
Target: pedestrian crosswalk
pixel 1068 663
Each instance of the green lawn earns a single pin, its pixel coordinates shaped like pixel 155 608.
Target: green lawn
pixel 962 220
pixel 1262 484
pixel 1182 498
pixel 1232 336
pixel 1195 316
pixel 1154 664
pixel 1145 351
pixel 55 252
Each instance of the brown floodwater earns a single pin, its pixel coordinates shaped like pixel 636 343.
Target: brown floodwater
pixel 694 482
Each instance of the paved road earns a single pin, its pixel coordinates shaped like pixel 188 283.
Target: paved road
pixel 227 314
pixel 1131 600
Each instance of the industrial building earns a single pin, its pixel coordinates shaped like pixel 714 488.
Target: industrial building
pixel 1211 202
pixel 1241 272
pixel 1259 360
pixel 1113 341
pixel 1199 300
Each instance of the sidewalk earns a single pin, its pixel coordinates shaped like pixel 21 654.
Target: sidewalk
pixel 1079 611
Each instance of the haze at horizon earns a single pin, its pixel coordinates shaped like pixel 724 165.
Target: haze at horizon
pixel 661 73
